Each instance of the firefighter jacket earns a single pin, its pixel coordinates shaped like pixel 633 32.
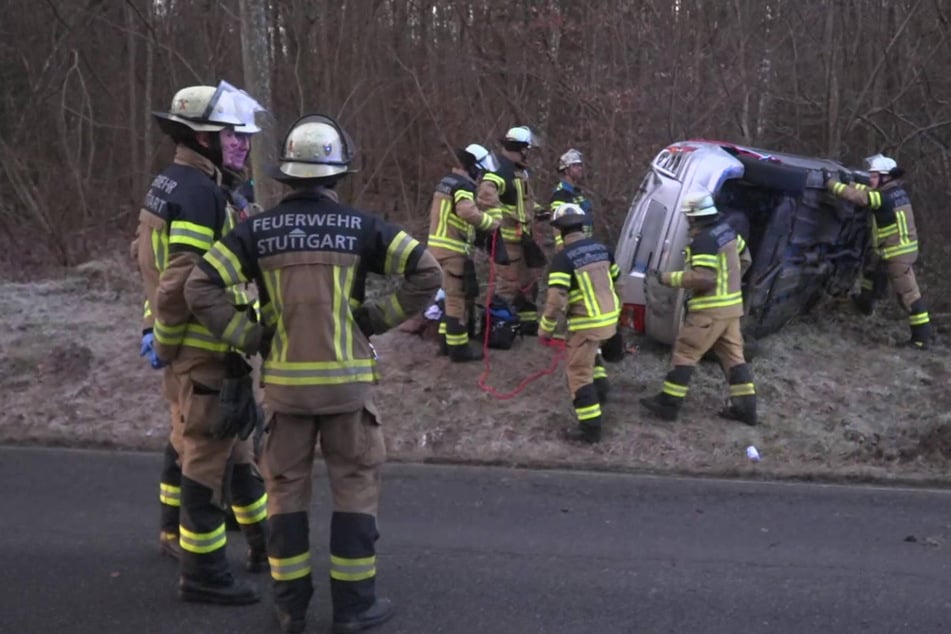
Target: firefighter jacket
pixel 714 270
pixel 894 223
pixel 185 211
pixel 506 196
pixel 565 192
pixel 581 278
pixel 454 217
pixel 310 256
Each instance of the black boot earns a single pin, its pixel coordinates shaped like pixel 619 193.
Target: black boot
pixel 864 302
pixel 667 404
pixel 380 612
pixel 663 405
pixel 290 623
pixel 920 326
pixel 461 354
pixel 169 546
pixel 742 403
pixel 231 592
pixel 583 433
pixel 460 349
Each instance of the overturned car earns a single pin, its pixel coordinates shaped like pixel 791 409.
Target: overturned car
pixel 804 241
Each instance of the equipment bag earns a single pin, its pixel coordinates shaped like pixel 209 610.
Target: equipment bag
pixel 503 324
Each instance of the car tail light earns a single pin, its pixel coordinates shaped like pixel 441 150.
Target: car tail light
pixel 632 316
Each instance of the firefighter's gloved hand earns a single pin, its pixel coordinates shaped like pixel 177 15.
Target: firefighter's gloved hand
pixel 370 320
pixel 147 350
pixel 237 411
pixel 655 276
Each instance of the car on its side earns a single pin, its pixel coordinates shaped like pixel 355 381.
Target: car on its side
pixel 804 241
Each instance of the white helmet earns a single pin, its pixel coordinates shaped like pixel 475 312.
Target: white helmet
pixel 315 147
pixel 520 135
pixel 245 107
pixel 484 159
pixel 201 108
pixel 567 215
pixel 569 158
pixel 699 204
pixel 880 164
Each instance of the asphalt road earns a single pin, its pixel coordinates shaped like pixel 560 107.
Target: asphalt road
pixel 473 550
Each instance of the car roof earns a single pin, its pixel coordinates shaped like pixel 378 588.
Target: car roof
pixel 785 158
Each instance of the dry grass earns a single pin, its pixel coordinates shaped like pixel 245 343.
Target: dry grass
pixel 837 399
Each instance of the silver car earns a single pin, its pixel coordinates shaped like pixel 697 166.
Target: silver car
pixel 804 241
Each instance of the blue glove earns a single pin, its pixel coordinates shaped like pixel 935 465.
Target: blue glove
pixel 147 349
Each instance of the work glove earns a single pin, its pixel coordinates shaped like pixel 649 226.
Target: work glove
pixel 147 350
pixel 237 411
pixel 655 276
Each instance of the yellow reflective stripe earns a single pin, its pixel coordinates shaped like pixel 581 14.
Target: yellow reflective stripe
pixel 588 412
pixel 716 301
pixel 146 310
pixel 512 235
pixel 675 389
pixel 886 231
pixel 226 264
pixel 252 513
pixel 740 244
pixel 677 279
pixel 547 324
pixel 398 252
pixel 197 336
pixel 266 313
pixel 168 335
pixel 600 372
pixel 874 199
pixel 272 282
pixel 702 259
pixel 159 249
pixel 723 275
pixel 237 331
pixel 289 568
pixel 587 290
pixel 496 180
pixel 342 312
pixel 457 340
pixel 838 188
pixel 449 244
pixel 520 201
pixel 919 319
pixel 899 249
pixel 343 569
pixel 169 494
pixel 528 315
pixel 319 372
pixel 191 234
pixel 462 194
pixel 615 272
pixel 393 313
pixel 558 278
pixel 203 543
pixel 586 323
pixel 742 389
pixel 485 222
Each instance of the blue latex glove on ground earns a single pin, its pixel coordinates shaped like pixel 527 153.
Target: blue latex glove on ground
pixel 147 349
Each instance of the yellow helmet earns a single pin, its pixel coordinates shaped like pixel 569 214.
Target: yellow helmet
pixel 315 147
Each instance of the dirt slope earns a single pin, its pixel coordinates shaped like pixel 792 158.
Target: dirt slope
pixel 838 398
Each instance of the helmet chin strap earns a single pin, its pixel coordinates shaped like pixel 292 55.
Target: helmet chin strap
pixel 211 151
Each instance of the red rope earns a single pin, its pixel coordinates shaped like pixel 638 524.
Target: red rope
pixel 552 366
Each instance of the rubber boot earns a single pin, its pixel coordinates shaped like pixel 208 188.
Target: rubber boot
pixel 288 541
pixel 588 411
pixel 742 403
pixel 459 346
pixel 601 383
pixel 380 612
pixel 443 347
pixel 461 354
pixel 590 434
pixel 256 534
pixel 230 592
pixel 169 546
pixel 667 403
pixel 170 494
pixel 920 326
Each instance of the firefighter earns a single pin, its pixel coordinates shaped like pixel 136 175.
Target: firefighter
pixel 568 190
pixel 581 280
pixel 185 210
pixel 506 194
pixel 896 243
pixel 454 222
pixel 714 267
pixel 310 256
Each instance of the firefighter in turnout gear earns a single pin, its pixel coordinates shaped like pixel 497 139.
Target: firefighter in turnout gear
pixel 581 280
pixel 507 196
pixel 310 256
pixel 185 210
pixel 714 268
pixel 568 190
pixel 896 243
pixel 454 221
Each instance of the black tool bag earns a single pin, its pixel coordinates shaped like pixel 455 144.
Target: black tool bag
pixel 237 412
pixel 503 324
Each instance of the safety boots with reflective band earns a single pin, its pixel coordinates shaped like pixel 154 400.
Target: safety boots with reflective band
pixel 920 323
pixel 169 546
pixel 379 612
pixel 457 342
pixel 205 571
pixel 742 403
pixel 249 506
pixel 588 411
pixel 289 559
pixel 170 498
pixel 667 404
pixel 601 384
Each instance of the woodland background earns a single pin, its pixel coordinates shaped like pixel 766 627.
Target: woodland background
pixel 410 79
